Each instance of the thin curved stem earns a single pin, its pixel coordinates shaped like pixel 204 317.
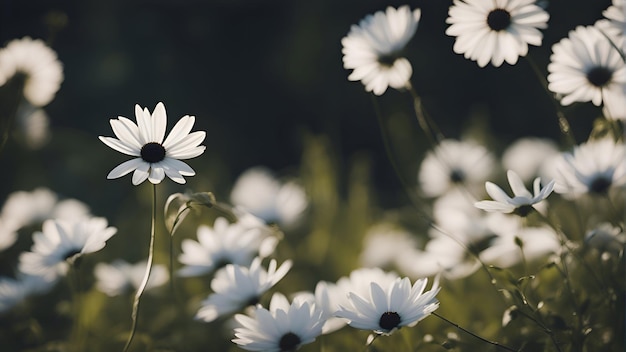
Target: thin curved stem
pixel 146 277
pixel 564 125
pixel 429 127
pixel 494 343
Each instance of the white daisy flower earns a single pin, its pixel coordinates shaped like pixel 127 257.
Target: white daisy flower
pixel 453 165
pixel 373 49
pixel 522 202
pixel 284 327
pixel 15 290
pixel 223 244
pixel 23 208
pixel 62 242
pixel 594 167
pixel 35 63
pixel 236 287
pixel 536 243
pixel 530 157
pixel 383 244
pixel 585 66
pixel 260 193
pixel 155 158
pixel 616 14
pixel 390 307
pixel 606 238
pixel 496 31
pixel 120 276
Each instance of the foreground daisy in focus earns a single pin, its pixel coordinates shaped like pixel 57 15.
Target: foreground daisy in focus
pixel 373 49
pixel 522 202
pixel 390 307
pixel 36 64
pixel 284 327
pixel 155 158
pixel 496 31
pixel 586 66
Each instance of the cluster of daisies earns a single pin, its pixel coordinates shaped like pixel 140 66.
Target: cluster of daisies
pixel 474 221
pixel 586 66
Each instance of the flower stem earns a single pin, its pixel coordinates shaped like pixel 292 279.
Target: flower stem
pixel 429 127
pixel 75 287
pixel 564 125
pixel 146 277
pixel 497 344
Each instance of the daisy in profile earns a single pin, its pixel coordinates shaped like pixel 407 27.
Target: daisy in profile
pixel 284 327
pixel 64 242
pixel 455 164
pixel 496 31
pixel 522 202
pixel 36 65
pixel 223 244
pixel 26 208
pixel 260 193
pixel 120 276
pixel 387 308
pixel 586 66
pixel 155 157
pixel 594 167
pixel 373 49
pixel 236 287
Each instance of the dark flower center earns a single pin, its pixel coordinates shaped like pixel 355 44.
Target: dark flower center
pixel 253 301
pixel 73 257
pixel 152 152
pixel 599 76
pixel 389 320
pixel 457 176
pixel 600 185
pixel 388 59
pixel 289 342
pixel 523 210
pixel 499 19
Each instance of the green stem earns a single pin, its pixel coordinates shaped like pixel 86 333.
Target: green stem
pixel 75 285
pixel 497 344
pixel 429 127
pixel 146 277
pixel 564 125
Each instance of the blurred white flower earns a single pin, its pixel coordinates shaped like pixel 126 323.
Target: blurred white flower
pixel 616 15
pixel 236 287
pixel 154 157
pixel 284 327
pixel 586 66
pixel 24 208
pixel 62 242
pixel 383 244
pixel 522 202
pixel 530 157
pixel 37 64
pixel 260 193
pixel 453 165
pixel 607 238
pixel 15 290
pixel 526 244
pixel 373 49
pixel 387 308
pixel 594 167
pixel 223 244
pixel 496 31
pixel 120 276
